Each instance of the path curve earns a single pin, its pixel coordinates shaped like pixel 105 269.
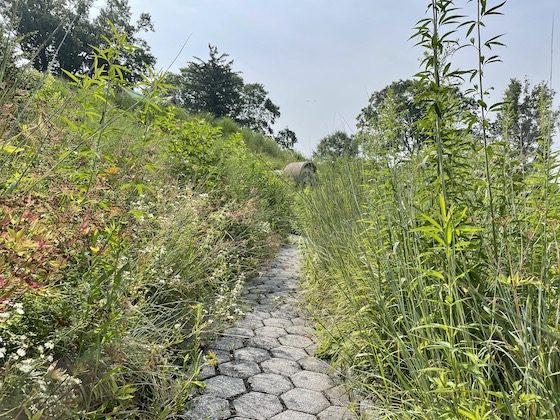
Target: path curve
pixel 265 365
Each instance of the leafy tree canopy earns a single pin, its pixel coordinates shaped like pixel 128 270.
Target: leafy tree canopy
pixel 400 101
pixel 213 87
pixel 337 144
pixel 519 120
pixel 257 111
pixel 58 34
pixel 286 138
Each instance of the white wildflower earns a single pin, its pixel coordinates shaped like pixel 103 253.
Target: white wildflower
pixel 49 345
pixel 26 366
pixel 2 352
pixel 20 352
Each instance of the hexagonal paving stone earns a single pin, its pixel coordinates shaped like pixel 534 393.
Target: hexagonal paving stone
pixel 208 407
pixel 273 332
pixel 284 313
pixel 300 330
pixel 266 343
pixel 228 343
pixel 299 321
pixel 312 380
pixel 238 332
pixel 265 307
pixel 278 322
pixel 251 354
pixel 280 366
pixel 207 371
pixel 258 315
pixel 305 400
pixel 311 349
pixel 257 405
pixel 335 412
pixel 338 395
pixel 299 341
pixel 239 369
pixel 294 415
pixel 224 386
pixel 250 323
pixel 315 365
pixel 288 352
pixel 270 383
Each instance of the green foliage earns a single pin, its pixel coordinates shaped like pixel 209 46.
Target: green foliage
pixel 264 147
pixel 210 86
pixel 213 87
pixel 286 138
pixel 128 230
pixel 336 145
pixel 397 108
pixel 434 275
pixel 257 111
pixel 519 120
pixel 57 35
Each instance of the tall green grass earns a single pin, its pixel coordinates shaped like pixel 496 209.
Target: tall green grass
pixel 435 275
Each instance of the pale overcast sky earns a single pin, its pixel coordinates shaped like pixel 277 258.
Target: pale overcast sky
pixel 320 59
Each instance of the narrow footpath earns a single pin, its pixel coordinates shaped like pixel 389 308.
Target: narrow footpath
pixel 265 365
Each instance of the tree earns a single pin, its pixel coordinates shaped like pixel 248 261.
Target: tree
pixel 337 144
pixel 118 13
pixel 54 34
pixel 401 99
pixel 406 109
pixel 257 111
pixel 7 55
pixel 286 138
pixel 58 34
pixel 211 86
pixel 518 121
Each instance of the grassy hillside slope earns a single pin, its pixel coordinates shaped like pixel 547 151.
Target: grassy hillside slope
pixel 127 232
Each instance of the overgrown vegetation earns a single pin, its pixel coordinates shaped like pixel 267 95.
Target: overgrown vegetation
pixel 128 229
pixel 433 263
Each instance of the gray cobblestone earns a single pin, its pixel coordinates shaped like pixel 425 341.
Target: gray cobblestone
pixel 280 366
pixel 257 405
pixel 306 400
pixel 266 359
pixel 270 383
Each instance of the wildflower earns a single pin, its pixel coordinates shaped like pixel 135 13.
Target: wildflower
pixel 26 366
pixel 49 345
pixel 20 352
pixel 2 352
pixel 19 308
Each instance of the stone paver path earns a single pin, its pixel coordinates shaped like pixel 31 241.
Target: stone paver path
pixel 265 365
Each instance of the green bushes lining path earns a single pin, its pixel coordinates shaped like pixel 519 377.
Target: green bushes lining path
pixel 127 233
